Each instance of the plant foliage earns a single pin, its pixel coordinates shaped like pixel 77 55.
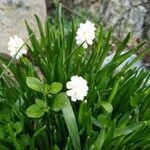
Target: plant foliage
pixel 35 112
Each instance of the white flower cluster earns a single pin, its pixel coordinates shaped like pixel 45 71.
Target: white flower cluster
pixel 86 34
pixel 14 44
pixel 77 88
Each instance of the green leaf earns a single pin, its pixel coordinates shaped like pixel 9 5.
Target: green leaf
pixel 96 123
pixel 4 147
pixel 88 123
pixel 5 114
pixel 100 39
pixel 139 57
pixel 100 140
pixel 59 102
pixel 106 48
pixel 114 90
pixel 103 120
pixel 62 102
pixel 40 103
pixel 35 44
pixel 18 127
pixel 41 31
pixel 36 134
pixel 133 102
pixel 82 113
pixel 34 111
pixel 56 147
pixel 1 133
pixel 107 106
pixel 125 56
pixel 122 46
pixel 54 88
pixel 34 84
pixel 129 129
pixel 110 133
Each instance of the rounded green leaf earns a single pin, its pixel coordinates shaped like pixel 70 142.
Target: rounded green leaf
pixel 54 88
pixel 40 103
pixel 34 111
pixel 18 127
pixel 34 84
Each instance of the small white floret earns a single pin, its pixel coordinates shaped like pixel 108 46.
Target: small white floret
pixel 77 88
pixel 85 34
pixel 14 44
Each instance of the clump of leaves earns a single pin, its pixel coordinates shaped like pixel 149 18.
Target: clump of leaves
pixel 36 112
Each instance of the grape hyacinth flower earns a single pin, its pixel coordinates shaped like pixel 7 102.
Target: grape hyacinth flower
pixel 14 44
pixel 77 88
pixel 86 34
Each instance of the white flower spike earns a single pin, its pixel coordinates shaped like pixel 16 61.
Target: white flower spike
pixel 86 34
pixel 77 88
pixel 14 44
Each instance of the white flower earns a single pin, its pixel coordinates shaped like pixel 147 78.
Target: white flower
pixel 86 34
pixel 14 44
pixel 77 88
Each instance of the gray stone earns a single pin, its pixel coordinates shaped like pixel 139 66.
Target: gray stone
pixel 12 16
pixel 136 2
pixel 125 15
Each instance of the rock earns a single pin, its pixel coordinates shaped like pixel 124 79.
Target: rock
pixel 136 2
pixel 125 15
pixel 12 16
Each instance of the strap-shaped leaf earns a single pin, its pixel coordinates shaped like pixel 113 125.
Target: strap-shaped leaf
pixel 62 102
pixel 122 131
pixel 107 106
pixel 82 113
pixel 100 140
pixel 122 46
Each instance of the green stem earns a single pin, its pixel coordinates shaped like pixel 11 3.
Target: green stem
pixel 45 99
pixel 73 53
